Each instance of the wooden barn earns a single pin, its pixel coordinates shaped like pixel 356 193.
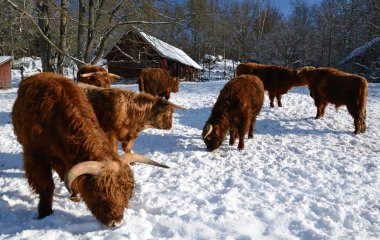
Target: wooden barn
pixel 5 72
pixel 137 50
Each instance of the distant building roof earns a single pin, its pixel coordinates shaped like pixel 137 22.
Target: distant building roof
pixel 4 59
pixel 169 51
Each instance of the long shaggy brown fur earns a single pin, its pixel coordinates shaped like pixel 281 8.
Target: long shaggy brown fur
pixel 277 80
pixel 57 128
pixel 235 110
pixel 158 82
pixel 123 114
pixel 101 78
pixel 329 85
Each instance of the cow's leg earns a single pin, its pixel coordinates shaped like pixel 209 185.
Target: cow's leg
pixel 233 135
pixel 272 95
pixel 40 179
pixel 363 121
pixel 252 128
pixel 320 106
pixel 278 96
pixel 355 113
pixel 242 130
pixel 323 108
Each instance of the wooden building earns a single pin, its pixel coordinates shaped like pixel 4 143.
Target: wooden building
pixel 5 72
pixel 137 50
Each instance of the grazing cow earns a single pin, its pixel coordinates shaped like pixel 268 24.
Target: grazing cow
pixel 236 109
pixel 277 80
pixel 157 82
pixel 123 113
pixel 329 85
pixel 58 130
pixel 96 75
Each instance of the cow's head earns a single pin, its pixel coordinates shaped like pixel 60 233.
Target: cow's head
pixel 175 85
pixel 100 79
pixel 303 74
pixel 106 187
pixel 161 115
pixel 213 135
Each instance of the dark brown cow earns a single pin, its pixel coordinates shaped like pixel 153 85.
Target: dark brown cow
pixel 123 113
pixel 58 130
pixel 96 75
pixel 235 110
pixel 158 82
pixel 277 80
pixel 329 85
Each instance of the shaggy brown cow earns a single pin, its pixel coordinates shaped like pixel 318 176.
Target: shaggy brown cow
pixel 236 109
pixel 277 80
pixel 58 130
pixel 96 75
pixel 329 85
pixel 158 82
pixel 123 113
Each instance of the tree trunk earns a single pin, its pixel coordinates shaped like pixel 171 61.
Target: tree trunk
pixel 81 37
pixel 62 35
pixel 45 48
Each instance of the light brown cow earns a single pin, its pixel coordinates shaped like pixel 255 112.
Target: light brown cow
pixel 123 114
pixel 235 110
pixel 58 130
pixel 329 85
pixel 158 82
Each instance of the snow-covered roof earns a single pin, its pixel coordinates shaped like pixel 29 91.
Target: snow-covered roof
pixel 4 59
pixel 169 51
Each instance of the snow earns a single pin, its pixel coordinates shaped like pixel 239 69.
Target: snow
pixel 169 51
pixel 360 50
pixel 299 178
pixel 4 59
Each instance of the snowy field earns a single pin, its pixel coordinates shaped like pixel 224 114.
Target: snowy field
pixel 299 178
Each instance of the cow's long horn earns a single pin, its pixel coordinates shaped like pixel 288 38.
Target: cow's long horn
pixel 129 158
pixel 208 129
pixel 87 74
pixel 114 75
pixel 174 105
pixel 88 167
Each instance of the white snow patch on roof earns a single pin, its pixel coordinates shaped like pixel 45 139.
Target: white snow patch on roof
pixel 169 51
pixel 4 59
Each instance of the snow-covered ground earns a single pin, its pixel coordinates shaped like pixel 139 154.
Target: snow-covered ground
pixel 299 178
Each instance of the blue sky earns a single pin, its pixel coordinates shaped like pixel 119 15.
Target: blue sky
pixel 286 8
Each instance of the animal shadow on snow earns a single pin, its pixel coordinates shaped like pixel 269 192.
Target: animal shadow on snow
pixel 292 126
pixel 164 143
pixel 195 117
pixel 21 218
pixel 5 118
pixel 9 160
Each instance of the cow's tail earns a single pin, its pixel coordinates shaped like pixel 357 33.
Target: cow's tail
pixel 362 102
pixel 141 83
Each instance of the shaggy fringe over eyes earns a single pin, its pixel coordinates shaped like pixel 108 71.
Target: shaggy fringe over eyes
pixel 115 183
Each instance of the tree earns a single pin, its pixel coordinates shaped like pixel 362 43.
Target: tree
pixel 96 21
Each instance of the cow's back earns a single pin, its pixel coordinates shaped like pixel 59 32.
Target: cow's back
pixel 52 117
pixel 335 86
pixel 245 92
pixel 266 73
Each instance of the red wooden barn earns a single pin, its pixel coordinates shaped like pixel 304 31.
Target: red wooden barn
pixel 137 50
pixel 5 72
